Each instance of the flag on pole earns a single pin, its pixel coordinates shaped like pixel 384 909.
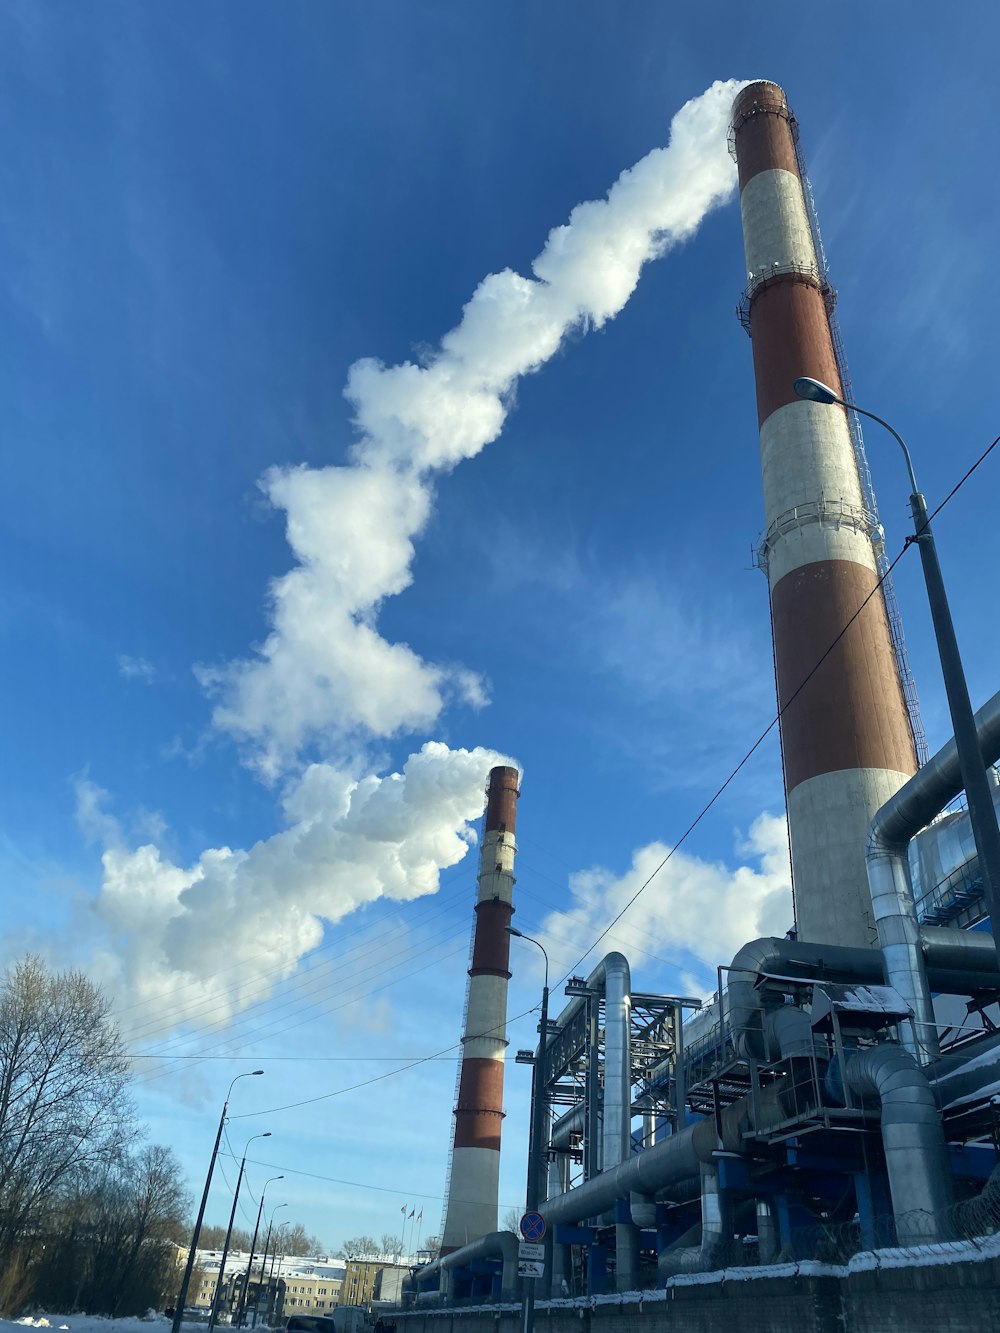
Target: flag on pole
pixel 412 1211
pixel 403 1210
pixel 420 1215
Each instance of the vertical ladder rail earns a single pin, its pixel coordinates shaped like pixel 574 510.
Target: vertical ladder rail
pixel 906 680
pixel 461 1056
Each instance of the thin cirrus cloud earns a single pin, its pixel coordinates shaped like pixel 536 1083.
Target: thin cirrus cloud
pixel 136 668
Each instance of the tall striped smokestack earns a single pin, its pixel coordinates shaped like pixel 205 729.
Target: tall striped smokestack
pixel 474 1179
pixel 846 739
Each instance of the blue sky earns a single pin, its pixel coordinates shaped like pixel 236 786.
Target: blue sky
pixel 208 215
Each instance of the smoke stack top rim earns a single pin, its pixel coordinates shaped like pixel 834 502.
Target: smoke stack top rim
pixel 763 93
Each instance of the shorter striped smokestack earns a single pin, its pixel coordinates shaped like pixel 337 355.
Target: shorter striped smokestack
pixel 474 1179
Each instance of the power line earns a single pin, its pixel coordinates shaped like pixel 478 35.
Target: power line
pixel 415 1063
pixel 378 1078
pixel 288 1027
pixel 164 1021
pixel 365 1185
pixel 300 1059
pixel 777 717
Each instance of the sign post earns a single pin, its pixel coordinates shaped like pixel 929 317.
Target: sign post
pixel 530 1259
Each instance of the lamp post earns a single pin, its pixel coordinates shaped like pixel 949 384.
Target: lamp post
pixel 982 813
pixel 263 1261
pixel 242 1305
pixel 213 1316
pixel 534 1189
pixel 189 1266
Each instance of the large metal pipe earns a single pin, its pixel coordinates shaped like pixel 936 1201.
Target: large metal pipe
pixel 970 1075
pixel 894 825
pixel 716 1232
pixel 498 1244
pixel 559 1140
pixel 956 963
pixel 846 739
pixel 617 1121
pixel 471 1205
pixel 673 1159
pixel 612 979
pixel 916 1155
pixel 912 1138
pixel 666 1169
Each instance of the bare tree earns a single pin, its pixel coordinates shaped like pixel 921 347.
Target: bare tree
pixel 213 1238
pixel 431 1243
pixel 390 1247
pixel 360 1247
pixel 510 1221
pixel 298 1241
pixel 107 1241
pixel 63 1079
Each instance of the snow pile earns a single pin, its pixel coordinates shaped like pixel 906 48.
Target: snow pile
pixel 927 1256
pixel 92 1323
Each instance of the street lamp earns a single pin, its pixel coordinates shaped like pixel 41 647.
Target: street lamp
pixel 534 1190
pixel 982 813
pixel 189 1267
pixel 263 1264
pixel 232 1218
pixel 242 1305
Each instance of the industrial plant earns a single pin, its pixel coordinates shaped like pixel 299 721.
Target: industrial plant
pixel 840 1093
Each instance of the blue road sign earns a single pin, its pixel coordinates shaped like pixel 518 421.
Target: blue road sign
pixel 532 1226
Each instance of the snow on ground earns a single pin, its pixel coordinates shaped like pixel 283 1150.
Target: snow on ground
pixel 153 1322
pixel 914 1256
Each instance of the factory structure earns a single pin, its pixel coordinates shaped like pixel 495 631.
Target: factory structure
pixel 841 1092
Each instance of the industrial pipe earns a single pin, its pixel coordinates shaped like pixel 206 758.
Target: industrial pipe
pixel 895 824
pixel 716 1231
pixel 611 978
pixel 498 1244
pixel 910 1125
pixel 971 1075
pixel 956 962
pixel 916 1155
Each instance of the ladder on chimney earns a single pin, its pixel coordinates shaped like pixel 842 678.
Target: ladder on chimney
pixel 906 681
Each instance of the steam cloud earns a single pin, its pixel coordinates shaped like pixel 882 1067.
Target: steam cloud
pixel 325 683
pixel 324 673
pixel 347 843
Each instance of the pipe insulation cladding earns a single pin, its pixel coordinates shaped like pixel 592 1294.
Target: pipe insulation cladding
pixel 474 1179
pixel 846 739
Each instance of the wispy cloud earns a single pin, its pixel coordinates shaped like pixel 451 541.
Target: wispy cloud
pixel 136 668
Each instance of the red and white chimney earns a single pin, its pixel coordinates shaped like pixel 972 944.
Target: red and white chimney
pixel 846 739
pixel 474 1178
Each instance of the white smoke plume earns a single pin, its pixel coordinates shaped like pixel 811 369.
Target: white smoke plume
pixel 694 911
pixel 235 922
pixel 325 676
pixel 325 683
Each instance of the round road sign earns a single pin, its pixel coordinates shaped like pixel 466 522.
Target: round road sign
pixel 532 1226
